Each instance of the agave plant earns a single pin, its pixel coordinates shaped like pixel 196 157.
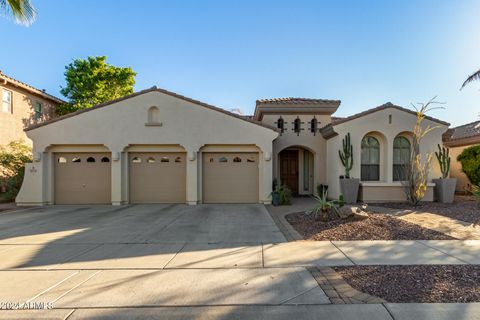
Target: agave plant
pixel 324 206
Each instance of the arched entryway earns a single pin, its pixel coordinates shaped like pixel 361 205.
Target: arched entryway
pixel 295 169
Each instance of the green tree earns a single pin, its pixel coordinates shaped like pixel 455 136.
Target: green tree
pixel 470 160
pixel 93 81
pixel 12 166
pixel 22 10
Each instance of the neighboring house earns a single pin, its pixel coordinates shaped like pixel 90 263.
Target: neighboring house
pixel 22 106
pixel 156 146
pixel 457 139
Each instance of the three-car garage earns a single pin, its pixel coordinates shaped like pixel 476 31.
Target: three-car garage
pixel 156 177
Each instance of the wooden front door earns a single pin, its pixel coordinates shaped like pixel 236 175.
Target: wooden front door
pixel 289 169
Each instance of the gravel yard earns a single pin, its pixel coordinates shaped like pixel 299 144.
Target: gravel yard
pixel 376 227
pixel 423 284
pixel 464 208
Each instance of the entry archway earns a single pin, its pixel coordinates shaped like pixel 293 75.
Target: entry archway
pixel 296 169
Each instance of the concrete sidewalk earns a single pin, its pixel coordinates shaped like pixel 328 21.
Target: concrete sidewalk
pixel 236 255
pixel 387 311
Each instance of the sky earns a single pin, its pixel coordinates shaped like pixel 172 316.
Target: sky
pixel 230 53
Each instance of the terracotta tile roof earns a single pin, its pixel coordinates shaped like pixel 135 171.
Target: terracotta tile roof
pixel 291 100
pixel 29 88
pixel 463 135
pixel 329 132
pixel 380 108
pixel 154 88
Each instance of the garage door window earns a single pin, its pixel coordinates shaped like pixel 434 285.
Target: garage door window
pixel 223 159
pixel 90 159
pixel 136 160
pixel 178 159
pixel 251 160
pixel 105 159
pixel 151 160
pixel 165 159
pixel 62 160
pixel 237 159
pixel 77 160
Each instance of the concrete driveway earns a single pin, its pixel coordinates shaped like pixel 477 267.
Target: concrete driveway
pixel 146 255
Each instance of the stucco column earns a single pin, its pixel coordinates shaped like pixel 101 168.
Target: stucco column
pixel 389 159
pixel 192 176
pixel 265 174
pixel 116 178
pixel 33 190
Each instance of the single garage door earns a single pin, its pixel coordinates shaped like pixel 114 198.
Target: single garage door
pixel 157 177
pixel 230 177
pixel 82 178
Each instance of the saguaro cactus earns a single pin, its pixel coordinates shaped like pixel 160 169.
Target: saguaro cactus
pixel 346 156
pixel 443 158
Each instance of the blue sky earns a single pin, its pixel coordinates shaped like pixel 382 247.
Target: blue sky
pixel 230 53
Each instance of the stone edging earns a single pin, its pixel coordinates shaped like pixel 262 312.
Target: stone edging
pixel 338 290
pixel 286 228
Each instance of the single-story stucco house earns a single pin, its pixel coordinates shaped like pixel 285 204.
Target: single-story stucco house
pixel 458 139
pixel 155 146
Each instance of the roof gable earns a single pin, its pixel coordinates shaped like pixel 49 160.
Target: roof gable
pixel 152 89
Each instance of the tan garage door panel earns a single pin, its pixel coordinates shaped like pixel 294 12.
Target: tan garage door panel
pixel 230 177
pixel 157 177
pixel 82 178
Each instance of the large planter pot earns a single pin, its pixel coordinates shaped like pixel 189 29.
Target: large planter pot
pixel 275 198
pixel 445 189
pixel 349 188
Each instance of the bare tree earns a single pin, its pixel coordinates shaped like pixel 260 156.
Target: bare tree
pixel 418 167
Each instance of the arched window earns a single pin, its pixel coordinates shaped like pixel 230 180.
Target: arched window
pixel 251 159
pixel 281 124
pixel 90 159
pixel 105 159
pixel 401 158
pixel 153 115
pixel 222 159
pixel 165 159
pixel 237 159
pixel 75 159
pixel 136 160
pixel 297 125
pixel 314 126
pixel 62 160
pixel 370 159
pixel 178 159
pixel 151 160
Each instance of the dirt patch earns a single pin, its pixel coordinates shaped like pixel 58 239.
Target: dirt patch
pixel 376 227
pixel 464 208
pixel 423 284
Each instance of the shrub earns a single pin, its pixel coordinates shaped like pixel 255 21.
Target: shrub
pixel 470 160
pixel 12 167
pixel 285 195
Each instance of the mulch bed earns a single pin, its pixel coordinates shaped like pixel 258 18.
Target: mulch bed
pixel 464 208
pixel 438 283
pixel 375 227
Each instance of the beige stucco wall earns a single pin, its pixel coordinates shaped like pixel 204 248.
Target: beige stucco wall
pixel 12 124
pixel 120 128
pixel 378 125
pixel 463 183
pixel 316 144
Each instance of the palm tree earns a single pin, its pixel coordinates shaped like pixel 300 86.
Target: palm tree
pixel 22 10
pixel 473 77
